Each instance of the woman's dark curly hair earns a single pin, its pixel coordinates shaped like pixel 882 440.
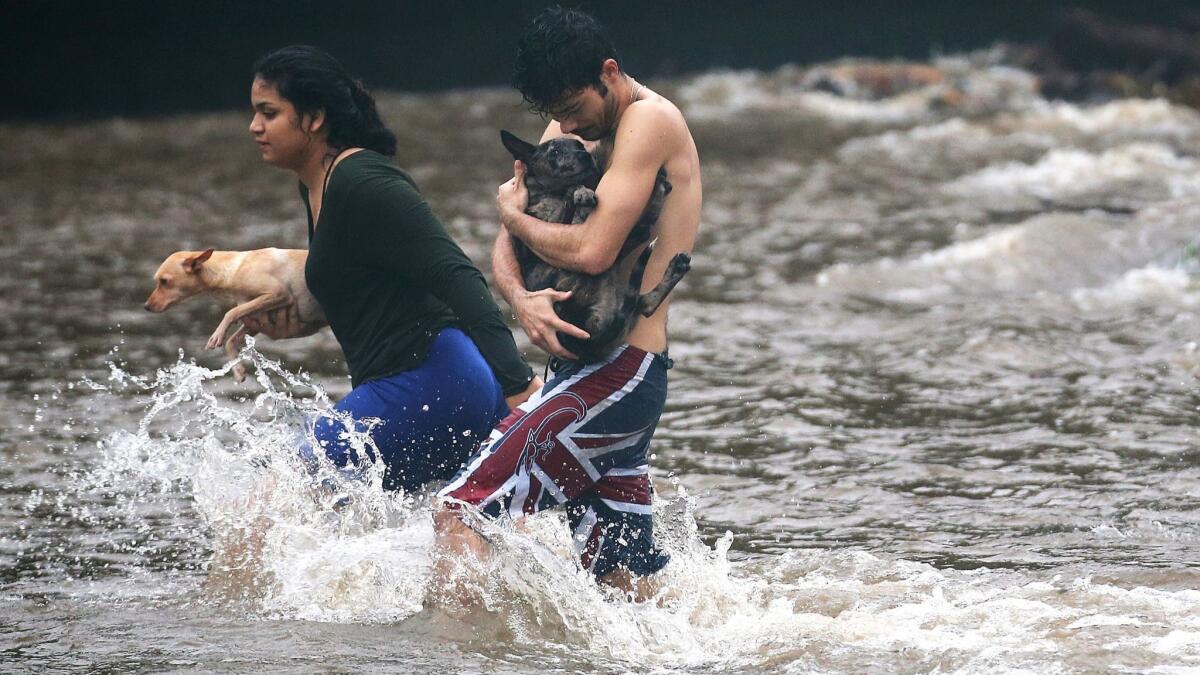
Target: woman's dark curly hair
pixel 313 80
pixel 561 52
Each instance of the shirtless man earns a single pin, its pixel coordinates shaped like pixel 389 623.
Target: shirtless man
pixel 581 441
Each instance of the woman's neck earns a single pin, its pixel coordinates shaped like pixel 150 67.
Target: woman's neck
pixel 312 171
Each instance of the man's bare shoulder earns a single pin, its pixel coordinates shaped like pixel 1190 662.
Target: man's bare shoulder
pixel 652 123
pixel 657 112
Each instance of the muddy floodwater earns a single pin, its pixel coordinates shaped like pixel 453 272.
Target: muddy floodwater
pixel 934 407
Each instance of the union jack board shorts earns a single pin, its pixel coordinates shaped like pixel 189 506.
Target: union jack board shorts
pixel 580 443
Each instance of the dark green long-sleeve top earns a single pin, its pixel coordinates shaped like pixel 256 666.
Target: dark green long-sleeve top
pixel 389 277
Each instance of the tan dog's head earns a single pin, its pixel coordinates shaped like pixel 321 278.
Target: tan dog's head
pixel 177 279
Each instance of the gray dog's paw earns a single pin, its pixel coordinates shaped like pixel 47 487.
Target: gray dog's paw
pixel 584 196
pixel 680 264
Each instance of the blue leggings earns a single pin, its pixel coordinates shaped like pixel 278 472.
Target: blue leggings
pixel 432 418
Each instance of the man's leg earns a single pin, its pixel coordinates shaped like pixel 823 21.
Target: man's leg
pixel 638 588
pixel 582 439
pixel 614 530
pixel 455 540
pixel 504 467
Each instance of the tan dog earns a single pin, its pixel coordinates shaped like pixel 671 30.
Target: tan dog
pixel 252 282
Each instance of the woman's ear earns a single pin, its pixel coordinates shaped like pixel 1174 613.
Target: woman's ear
pixel 315 121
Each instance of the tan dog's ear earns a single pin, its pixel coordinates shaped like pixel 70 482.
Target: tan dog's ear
pixel 192 265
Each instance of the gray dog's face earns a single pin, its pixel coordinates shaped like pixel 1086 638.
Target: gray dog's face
pixel 558 162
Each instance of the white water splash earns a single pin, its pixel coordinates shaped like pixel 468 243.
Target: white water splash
pixel 238 462
pixel 370 561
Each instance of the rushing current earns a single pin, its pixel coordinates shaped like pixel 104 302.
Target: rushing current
pixel 934 403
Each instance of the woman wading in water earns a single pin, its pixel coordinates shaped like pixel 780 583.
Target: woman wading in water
pixel 427 350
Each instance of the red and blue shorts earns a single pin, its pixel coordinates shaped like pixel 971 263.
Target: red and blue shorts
pixel 580 443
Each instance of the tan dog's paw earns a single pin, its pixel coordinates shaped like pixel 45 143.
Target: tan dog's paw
pixel 215 340
pixel 239 372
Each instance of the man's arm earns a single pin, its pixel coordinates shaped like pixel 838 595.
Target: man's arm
pixel 534 310
pixel 506 273
pixel 639 150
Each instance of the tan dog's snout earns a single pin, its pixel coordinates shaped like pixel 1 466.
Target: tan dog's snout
pixel 157 302
pixel 161 298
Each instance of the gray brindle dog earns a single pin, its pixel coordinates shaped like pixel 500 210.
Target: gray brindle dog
pixel 561 176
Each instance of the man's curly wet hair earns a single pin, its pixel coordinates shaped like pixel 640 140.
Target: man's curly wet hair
pixel 561 52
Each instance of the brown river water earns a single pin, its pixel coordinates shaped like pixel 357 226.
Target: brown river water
pixel 934 406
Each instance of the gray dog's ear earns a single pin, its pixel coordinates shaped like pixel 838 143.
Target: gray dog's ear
pixel 519 148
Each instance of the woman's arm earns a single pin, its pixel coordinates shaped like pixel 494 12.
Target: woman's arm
pixel 280 324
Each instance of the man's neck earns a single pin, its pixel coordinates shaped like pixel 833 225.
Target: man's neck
pixel 627 90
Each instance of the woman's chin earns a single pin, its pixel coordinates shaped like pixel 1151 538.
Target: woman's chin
pixel 268 158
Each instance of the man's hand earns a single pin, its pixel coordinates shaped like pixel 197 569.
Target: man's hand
pixel 281 323
pixel 535 313
pixel 513 196
pixel 517 399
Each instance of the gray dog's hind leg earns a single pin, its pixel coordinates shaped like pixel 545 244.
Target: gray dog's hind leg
pixel 679 266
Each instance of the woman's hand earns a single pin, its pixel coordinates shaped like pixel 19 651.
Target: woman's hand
pixel 535 313
pixel 513 196
pixel 517 399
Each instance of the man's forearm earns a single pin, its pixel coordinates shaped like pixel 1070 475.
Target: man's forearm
pixel 506 273
pixel 564 246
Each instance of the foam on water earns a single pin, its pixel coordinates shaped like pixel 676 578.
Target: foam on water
pixel 1046 151
pixel 1051 253
pixel 1121 119
pixel 967 85
pixel 1151 285
pixel 943 147
pixel 1071 173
